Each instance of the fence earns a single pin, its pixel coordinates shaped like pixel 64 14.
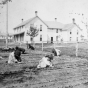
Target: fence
pixel 69 49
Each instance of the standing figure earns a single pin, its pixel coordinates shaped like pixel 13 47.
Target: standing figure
pixel 45 61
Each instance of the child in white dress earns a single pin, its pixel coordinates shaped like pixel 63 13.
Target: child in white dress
pixel 45 61
pixel 12 59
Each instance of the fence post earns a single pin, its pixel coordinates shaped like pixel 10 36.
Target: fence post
pixel 54 45
pixel 77 49
pixel 42 45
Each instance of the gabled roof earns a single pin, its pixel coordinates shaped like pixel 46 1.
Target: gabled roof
pixel 54 25
pixel 25 22
pixel 28 21
pixel 70 26
pixel 49 24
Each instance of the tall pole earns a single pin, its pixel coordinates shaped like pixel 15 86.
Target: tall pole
pixel 42 45
pixel 87 31
pixel 77 49
pixel 7 24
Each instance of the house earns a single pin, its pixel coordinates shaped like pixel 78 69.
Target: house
pixel 72 32
pixel 48 31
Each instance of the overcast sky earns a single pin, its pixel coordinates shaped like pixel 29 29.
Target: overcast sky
pixel 63 10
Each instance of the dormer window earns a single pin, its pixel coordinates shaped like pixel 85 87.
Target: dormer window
pixel 40 27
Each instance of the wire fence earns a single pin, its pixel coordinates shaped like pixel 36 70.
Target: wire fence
pixel 67 48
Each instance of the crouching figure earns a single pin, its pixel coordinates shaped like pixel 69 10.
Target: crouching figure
pixel 17 54
pixel 46 61
pixel 12 59
pixel 56 52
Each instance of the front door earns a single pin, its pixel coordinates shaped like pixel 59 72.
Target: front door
pixel 51 39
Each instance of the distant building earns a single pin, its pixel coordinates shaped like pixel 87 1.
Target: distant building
pixel 3 37
pixel 49 31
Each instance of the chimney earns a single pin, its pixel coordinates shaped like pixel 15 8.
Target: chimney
pixel 36 13
pixel 56 19
pixel 73 20
pixel 22 20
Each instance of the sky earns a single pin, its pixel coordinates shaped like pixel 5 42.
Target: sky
pixel 48 10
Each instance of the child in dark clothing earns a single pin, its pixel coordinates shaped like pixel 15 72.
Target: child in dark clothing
pixel 17 54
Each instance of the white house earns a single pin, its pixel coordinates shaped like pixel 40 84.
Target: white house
pixel 72 32
pixel 49 31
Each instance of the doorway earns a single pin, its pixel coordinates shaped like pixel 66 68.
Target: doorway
pixel 51 39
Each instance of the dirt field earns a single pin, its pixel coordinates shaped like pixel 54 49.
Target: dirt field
pixel 68 71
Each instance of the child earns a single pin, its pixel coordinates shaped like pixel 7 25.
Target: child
pixel 45 61
pixel 12 59
pixel 17 54
pixel 56 52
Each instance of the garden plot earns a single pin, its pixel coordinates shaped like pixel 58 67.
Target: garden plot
pixel 68 71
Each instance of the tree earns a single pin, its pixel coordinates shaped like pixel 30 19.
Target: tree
pixel 5 1
pixel 33 32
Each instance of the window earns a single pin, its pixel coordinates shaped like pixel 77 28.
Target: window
pixel 56 30
pixel 40 27
pixel 31 39
pixel 22 26
pixel 17 29
pixel 27 33
pixel 70 32
pixel 56 38
pixel 77 38
pixel 77 32
pixel 70 38
pixel 40 37
pixel 31 25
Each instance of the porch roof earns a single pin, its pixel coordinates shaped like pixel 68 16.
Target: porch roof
pixel 18 33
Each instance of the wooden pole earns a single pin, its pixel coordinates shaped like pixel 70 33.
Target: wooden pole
pixel 42 45
pixel 7 24
pixel 54 45
pixel 77 49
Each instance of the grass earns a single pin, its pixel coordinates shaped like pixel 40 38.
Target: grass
pixel 19 73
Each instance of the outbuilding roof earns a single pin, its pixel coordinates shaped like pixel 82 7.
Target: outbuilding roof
pixel 70 26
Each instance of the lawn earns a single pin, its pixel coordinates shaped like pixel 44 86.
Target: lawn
pixel 69 71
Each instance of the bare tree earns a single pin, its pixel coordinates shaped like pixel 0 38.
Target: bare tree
pixel 33 32
pixel 5 1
